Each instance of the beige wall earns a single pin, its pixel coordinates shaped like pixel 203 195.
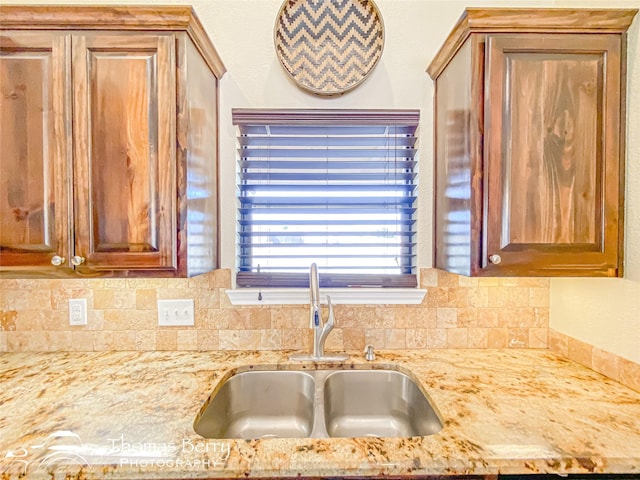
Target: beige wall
pixel 242 32
pixel 605 313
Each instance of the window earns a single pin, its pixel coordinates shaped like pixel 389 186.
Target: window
pixel 334 187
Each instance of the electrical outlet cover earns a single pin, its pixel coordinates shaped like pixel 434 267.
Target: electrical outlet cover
pixel 77 311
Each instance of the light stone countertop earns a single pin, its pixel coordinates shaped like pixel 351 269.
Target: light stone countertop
pixel 130 415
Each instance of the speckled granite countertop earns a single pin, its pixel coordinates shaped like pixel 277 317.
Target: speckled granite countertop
pixel 130 415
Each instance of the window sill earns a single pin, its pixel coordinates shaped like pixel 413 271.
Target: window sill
pixel 346 296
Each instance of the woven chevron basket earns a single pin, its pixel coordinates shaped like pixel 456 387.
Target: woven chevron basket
pixel 329 46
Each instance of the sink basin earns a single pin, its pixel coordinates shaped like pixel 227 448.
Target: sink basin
pixel 260 404
pixel 318 404
pixel 376 403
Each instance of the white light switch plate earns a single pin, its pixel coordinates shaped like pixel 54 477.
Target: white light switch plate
pixel 77 311
pixel 175 313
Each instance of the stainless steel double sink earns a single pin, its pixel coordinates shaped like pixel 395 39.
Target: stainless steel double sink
pixel 318 404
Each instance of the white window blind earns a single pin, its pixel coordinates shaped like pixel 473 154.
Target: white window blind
pixel 334 187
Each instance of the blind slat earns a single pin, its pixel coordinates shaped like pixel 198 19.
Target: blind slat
pixel 322 188
pixel 334 153
pixel 353 210
pixel 327 165
pixel 398 141
pixel 387 203
pixel 243 222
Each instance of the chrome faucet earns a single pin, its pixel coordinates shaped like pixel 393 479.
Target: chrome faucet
pixel 320 331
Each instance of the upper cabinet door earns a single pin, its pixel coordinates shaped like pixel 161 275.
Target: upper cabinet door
pixel 124 131
pixel 35 150
pixel 552 153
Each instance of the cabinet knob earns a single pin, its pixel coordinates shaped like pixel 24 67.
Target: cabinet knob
pixel 77 260
pixel 495 259
pixel 57 260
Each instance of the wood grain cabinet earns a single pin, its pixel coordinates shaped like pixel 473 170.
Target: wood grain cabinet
pixel 108 153
pixel 529 121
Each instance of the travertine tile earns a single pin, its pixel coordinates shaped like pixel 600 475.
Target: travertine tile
pixel 467 281
pixel 428 278
pixel 353 338
pixel 488 281
pixel 467 317
pixel 405 317
pixel 19 341
pixel 417 338
pixel 114 298
pixel 146 299
pixel 15 299
pixel 238 319
pixel 538 338
pixel 335 341
pixel 240 339
pixel 630 373
pixel 8 320
pixel 498 338
pixel 270 339
pixel 375 337
pixel 39 299
pixel 436 338
pixel 446 318
pixel 580 352
pixel 166 339
pixel 518 337
pixel 396 338
pixel 187 339
pixel 259 319
pixel 558 343
pixel 446 279
pixel 296 339
pixel 489 317
pixel 103 340
pixel 208 340
pixel 498 297
pixel 605 363
pixel 478 338
pixel 206 298
pixel 82 340
pixel 441 297
pixel 539 296
pixel 125 339
pixel 457 338
pixel 516 317
pixel 146 340
pixel 220 278
pixel 425 317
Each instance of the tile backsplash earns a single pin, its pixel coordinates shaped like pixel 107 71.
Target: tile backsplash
pixel 606 363
pixel 457 312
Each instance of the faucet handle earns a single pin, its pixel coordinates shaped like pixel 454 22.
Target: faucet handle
pixel 331 319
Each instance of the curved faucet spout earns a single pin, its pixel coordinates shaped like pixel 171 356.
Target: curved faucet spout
pixel 320 331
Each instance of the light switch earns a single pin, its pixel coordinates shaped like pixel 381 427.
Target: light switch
pixel 175 313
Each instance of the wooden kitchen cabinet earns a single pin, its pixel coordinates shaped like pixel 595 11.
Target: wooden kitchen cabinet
pixel 529 133
pixel 109 142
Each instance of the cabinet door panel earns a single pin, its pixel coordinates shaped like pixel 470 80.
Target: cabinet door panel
pixel 552 148
pixel 34 149
pixel 125 160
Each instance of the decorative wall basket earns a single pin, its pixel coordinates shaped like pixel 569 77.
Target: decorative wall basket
pixel 329 46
